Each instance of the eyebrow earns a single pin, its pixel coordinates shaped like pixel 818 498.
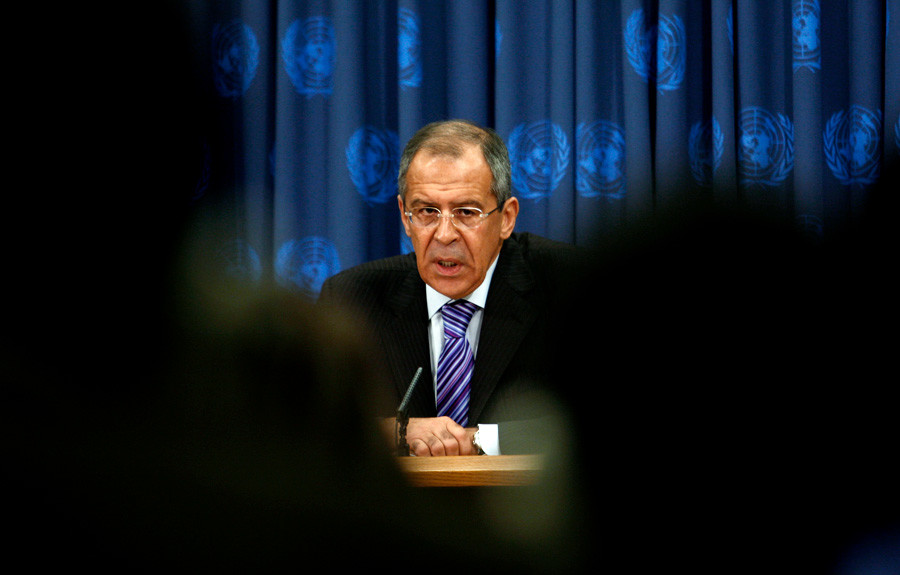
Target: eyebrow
pixel 466 203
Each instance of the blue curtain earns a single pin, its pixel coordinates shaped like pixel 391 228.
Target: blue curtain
pixel 612 111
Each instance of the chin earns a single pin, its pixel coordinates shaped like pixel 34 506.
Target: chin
pixel 451 289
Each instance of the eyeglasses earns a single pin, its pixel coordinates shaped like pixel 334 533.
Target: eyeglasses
pixel 465 218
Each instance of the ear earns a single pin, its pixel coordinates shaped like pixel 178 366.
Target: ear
pixel 403 217
pixel 509 213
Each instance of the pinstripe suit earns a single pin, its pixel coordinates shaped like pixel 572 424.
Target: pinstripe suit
pixel 511 359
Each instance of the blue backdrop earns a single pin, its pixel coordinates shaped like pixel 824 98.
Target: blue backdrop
pixel 612 110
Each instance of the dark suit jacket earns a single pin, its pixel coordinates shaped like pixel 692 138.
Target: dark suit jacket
pixel 531 274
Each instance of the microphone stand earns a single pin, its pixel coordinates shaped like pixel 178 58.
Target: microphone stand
pixel 403 416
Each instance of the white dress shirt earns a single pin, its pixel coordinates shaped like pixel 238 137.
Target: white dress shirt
pixel 487 432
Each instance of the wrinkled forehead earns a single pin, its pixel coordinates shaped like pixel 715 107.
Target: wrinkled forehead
pixel 451 148
pixel 435 167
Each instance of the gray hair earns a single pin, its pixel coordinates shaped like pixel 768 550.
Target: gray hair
pixel 449 138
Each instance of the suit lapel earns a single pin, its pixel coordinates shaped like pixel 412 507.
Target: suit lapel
pixel 408 348
pixel 508 315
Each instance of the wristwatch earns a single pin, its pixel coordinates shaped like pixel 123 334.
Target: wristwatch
pixel 476 441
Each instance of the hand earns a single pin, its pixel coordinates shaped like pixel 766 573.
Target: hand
pixel 439 436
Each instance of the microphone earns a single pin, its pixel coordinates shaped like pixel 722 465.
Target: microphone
pixel 403 415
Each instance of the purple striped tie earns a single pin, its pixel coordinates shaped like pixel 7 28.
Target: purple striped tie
pixel 456 363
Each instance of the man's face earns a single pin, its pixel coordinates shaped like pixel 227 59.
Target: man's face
pixel 455 260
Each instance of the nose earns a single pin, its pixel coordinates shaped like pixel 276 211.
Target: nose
pixel 446 231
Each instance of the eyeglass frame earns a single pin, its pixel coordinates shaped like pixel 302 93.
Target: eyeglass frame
pixel 440 214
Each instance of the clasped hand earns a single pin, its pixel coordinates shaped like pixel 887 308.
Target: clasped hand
pixel 438 436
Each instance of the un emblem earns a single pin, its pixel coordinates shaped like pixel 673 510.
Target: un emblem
pixel 705 147
pixel 305 264
pixel 307 50
pixel 239 261
pixel 853 145
pixel 600 158
pixel 667 38
pixel 539 154
pixel 765 149
pixel 373 158
pixel 897 134
pixel 235 56
pixel 408 42
pixel 805 26
pixel 811 228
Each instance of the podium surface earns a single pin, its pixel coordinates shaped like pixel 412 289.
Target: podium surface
pixel 471 470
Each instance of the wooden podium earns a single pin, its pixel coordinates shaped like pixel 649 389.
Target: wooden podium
pixel 471 470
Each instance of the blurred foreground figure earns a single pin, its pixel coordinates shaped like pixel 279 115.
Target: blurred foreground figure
pixel 159 417
pixel 247 440
pixel 738 408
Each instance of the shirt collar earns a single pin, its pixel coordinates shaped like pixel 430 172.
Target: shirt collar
pixel 436 300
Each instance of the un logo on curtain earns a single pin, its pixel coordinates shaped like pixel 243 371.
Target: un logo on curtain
pixel 853 145
pixel 766 147
pixel 308 53
pixel 539 154
pixel 306 263
pixel 373 159
pixel 600 157
pixel 667 38
pixel 239 261
pixel 805 27
pixel 705 148
pixel 897 134
pixel 235 56
pixel 408 41
pixel 812 228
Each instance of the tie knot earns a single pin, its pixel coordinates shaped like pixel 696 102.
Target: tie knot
pixel 456 317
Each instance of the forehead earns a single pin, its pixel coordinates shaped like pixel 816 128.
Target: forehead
pixel 440 176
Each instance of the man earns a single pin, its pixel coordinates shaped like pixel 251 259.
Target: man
pixel 456 205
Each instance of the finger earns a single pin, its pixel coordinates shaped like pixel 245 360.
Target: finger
pixel 419 448
pixel 450 443
pixel 459 436
pixel 439 436
pixel 436 445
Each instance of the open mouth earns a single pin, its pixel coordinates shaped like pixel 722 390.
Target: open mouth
pixel 448 267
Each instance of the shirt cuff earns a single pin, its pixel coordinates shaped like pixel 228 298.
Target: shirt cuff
pixel 489 438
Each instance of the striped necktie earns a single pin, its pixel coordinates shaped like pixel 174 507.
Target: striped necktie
pixel 456 362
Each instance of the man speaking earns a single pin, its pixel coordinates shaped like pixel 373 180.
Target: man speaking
pixel 473 305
